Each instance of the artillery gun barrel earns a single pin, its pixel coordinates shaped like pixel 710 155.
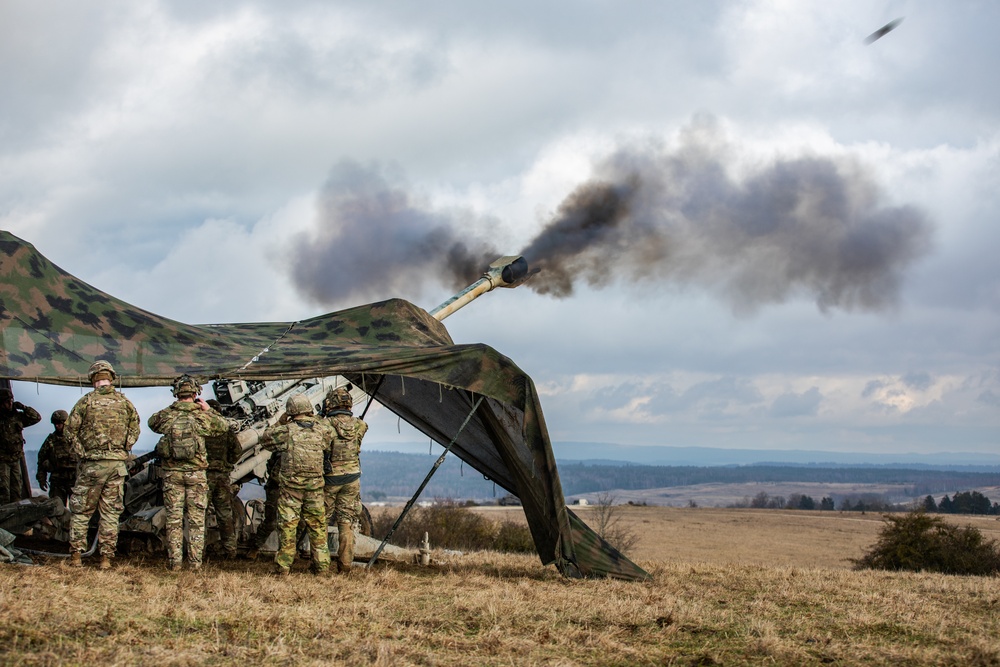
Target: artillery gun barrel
pixel 268 401
pixel 507 271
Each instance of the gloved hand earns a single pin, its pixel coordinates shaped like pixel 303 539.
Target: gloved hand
pixel 42 484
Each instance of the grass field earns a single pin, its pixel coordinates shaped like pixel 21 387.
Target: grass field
pixel 730 587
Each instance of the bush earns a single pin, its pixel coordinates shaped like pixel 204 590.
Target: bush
pixel 514 538
pixel 606 520
pixel 918 542
pixel 452 526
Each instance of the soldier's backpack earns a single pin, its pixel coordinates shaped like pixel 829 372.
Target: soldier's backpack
pixel 183 440
pixel 305 453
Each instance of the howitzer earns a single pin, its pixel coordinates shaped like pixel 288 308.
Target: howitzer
pixel 253 405
pixel 509 271
pixel 257 405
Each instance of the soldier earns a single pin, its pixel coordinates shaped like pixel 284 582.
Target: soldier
pixel 57 460
pixel 302 443
pixel 101 429
pixel 270 521
pixel 223 452
pixel 14 417
pixel 342 472
pixel 184 425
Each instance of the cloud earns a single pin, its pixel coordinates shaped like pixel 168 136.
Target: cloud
pixel 315 156
pixel 989 398
pixel 805 404
pixel 921 381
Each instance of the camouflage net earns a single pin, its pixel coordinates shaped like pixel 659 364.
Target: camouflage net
pixel 54 326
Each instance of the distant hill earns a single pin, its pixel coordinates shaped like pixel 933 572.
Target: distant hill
pixel 396 475
pixel 394 471
pixel 613 454
pixel 708 456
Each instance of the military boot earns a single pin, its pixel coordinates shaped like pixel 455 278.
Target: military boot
pixel 252 554
pixel 345 547
pixel 75 560
pixel 105 563
pixel 281 570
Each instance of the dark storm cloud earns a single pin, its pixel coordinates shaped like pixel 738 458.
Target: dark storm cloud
pixel 812 226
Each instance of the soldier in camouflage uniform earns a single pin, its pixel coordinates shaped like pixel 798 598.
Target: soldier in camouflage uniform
pixel 57 460
pixel 101 429
pixel 184 459
pixel 342 472
pixel 302 443
pixel 223 452
pixel 270 522
pixel 14 417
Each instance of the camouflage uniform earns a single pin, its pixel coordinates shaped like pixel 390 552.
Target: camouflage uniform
pixel 12 421
pixel 102 427
pixel 271 490
pixel 342 476
pixel 185 485
pixel 57 460
pixel 223 452
pixel 302 444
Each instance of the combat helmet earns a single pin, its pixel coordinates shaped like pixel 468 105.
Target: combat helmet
pixel 298 405
pixel 185 386
pixel 101 370
pixel 59 417
pixel 340 398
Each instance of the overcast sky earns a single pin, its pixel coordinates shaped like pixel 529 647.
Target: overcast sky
pixel 755 229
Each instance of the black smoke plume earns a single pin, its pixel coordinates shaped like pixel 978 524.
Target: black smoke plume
pixel 806 227
pixel 374 241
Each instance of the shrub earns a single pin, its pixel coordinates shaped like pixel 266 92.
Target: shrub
pixel 918 542
pixel 450 525
pixel 514 538
pixel 606 520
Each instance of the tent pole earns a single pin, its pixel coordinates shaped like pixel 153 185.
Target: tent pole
pixel 437 464
pixel 371 397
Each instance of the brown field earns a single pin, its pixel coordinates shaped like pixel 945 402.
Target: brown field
pixel 726 536
pixel 730 587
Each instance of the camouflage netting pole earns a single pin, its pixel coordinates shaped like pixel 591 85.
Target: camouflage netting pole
pixel 437 464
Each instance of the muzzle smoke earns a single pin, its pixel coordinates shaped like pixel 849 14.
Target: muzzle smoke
pixel 805 227
pixel 374 241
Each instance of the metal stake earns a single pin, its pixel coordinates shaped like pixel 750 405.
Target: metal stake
pixel 437 464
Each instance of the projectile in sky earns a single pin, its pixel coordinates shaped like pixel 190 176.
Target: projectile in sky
pixel 883 31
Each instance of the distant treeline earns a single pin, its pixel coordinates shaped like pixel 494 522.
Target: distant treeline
pixel 392 474
pixel 964 502
pixel 584 478
pixel 399 475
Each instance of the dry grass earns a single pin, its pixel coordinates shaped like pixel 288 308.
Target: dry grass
pixel 493 609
